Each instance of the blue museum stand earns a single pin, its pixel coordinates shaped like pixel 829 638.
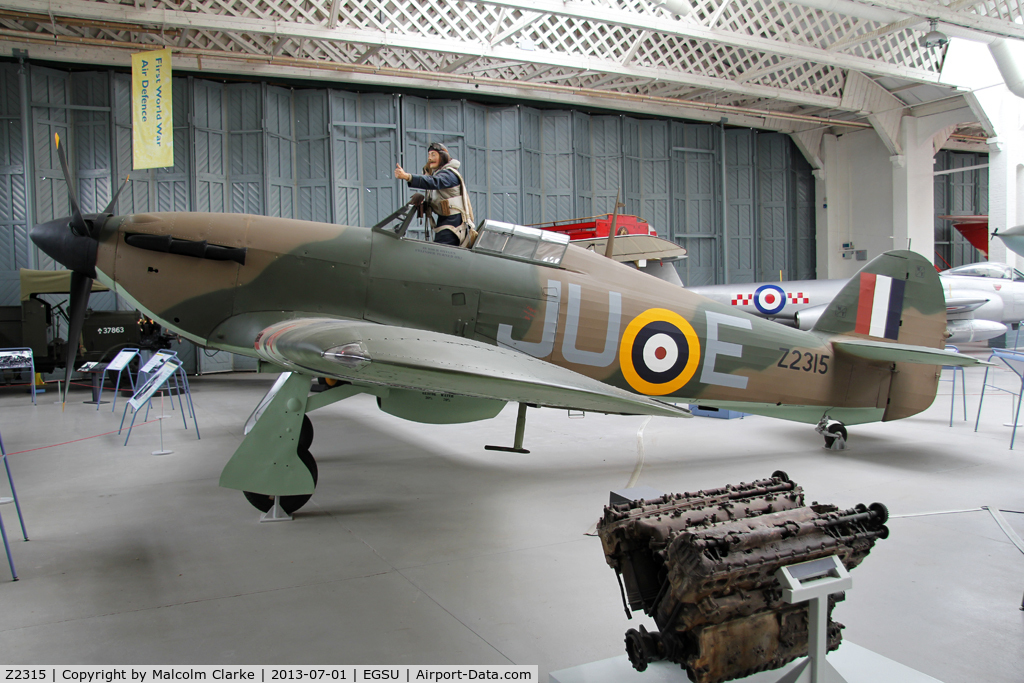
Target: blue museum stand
pixel 17 507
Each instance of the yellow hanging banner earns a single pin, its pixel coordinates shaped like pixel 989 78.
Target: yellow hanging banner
pixel 152 120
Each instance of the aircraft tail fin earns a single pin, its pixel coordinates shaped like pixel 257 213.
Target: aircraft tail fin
pixel 896 297
pixel 893 312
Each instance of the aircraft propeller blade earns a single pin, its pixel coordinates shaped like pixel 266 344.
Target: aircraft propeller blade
pixel 109 208
pixel 81 287
pixel 78 224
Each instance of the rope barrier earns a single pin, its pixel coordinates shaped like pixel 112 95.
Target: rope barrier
pixel 84 438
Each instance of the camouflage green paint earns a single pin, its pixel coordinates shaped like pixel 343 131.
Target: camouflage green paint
pixel 267 461
pixel 295 270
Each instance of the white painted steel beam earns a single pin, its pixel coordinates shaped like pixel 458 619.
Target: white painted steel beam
pixel 963 18
pixel 203 60
pixel 666 24
pixel 418 44
pixel 524 21
pixel 661 23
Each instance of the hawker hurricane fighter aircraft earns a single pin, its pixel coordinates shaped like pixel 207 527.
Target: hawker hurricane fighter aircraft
pixel 444 334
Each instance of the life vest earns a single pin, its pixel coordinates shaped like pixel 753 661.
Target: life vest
pixel 450 201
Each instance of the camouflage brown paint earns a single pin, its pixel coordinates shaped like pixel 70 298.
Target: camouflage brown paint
pixel 296 269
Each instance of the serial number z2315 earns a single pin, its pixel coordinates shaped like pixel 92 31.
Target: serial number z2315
pixel 793 359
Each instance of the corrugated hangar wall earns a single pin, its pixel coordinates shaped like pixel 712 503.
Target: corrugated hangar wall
pixel 327 154
pixel 958 194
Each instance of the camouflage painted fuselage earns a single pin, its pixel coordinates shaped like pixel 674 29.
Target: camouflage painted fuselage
pixel 591 314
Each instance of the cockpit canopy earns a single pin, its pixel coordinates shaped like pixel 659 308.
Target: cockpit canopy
pixel 999 271
pixel 521 243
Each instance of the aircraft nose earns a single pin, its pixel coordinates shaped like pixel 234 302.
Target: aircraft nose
pixel 66 248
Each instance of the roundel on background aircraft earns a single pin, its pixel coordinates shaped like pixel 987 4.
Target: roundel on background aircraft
pixel 659 352
pixel 769 299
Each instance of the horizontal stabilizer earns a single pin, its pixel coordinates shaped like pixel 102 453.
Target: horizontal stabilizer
pixel 904 353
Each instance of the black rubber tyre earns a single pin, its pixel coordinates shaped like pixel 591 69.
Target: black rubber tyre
pixel 289 504
pixel 832 431
pixel 306 436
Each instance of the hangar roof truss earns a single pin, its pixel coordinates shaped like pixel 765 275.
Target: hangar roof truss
pixel 774 64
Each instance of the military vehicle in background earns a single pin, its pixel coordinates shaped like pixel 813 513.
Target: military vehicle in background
pixel 37 324
pixel 703 566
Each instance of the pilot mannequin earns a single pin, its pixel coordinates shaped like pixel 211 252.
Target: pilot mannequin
pixel 446 196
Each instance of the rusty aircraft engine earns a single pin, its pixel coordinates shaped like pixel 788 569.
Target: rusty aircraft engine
pixel 703 564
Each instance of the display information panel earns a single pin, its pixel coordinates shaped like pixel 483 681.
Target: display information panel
pixel 155 381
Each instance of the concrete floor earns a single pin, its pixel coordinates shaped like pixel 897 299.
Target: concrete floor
pixel 420 547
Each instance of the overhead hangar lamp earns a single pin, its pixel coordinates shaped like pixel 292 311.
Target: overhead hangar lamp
pixel 677 7
pixel 934 37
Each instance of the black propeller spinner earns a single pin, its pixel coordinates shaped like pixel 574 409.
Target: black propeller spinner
pixel 73 242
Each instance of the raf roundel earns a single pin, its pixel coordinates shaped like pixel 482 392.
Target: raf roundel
pixel 659 352
pixel 769 299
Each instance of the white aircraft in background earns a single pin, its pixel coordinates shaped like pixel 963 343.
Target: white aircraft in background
pixel 1013 238
pixel 981 299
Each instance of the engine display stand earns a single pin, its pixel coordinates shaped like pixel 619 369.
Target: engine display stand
pixel 811 582
pixel 855 663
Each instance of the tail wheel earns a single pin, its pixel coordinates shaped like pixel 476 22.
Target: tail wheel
pixel 836 429
pixel 290 504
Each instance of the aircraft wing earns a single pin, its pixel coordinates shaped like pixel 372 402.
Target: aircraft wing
pixel 400 357
pixel 636 248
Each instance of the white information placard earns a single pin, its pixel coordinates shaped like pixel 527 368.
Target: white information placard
pixel 121 360
pixel 15 358
pixel 154 382
pixel 157 359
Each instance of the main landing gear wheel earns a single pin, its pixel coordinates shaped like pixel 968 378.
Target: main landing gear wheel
pixel 290 504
